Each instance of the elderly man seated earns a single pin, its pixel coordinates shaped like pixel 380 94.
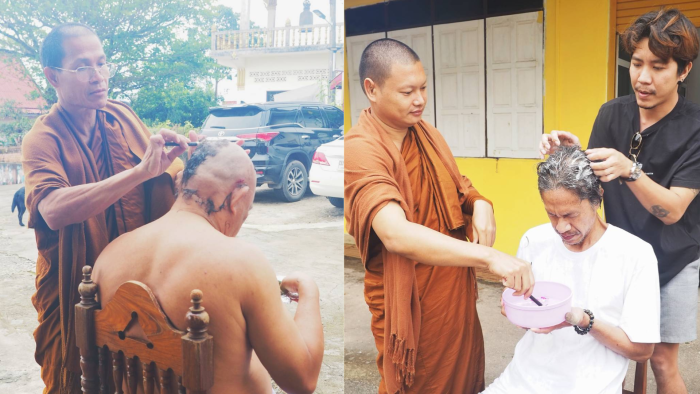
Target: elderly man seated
pixel 193 246
pixel 615 284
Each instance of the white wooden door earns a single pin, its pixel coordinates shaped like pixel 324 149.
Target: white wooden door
pixel 355 46
pixel 459 86
pixel 514 49
pixel 421 41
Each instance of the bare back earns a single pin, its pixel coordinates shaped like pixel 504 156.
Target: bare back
pixel 181 252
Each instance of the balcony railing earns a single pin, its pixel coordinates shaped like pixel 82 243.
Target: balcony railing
pixel 288 37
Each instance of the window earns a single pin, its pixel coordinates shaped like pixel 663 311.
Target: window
pixel 312 117
pixel 283 116
pixel 623 83
pixel 234 118
pixel 335 117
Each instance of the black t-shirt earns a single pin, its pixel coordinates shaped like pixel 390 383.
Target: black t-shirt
pixel 670 156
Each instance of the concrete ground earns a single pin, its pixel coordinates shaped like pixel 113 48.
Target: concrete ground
pixel 500 337
pixel 303 236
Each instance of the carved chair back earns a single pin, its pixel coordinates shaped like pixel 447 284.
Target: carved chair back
pixel 130 339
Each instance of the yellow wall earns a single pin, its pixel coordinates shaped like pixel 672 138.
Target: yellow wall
pixel 575 76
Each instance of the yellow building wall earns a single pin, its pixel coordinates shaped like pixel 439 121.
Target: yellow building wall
pixel 575 77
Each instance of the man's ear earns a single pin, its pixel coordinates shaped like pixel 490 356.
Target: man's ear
pixel 178 181
pixel 685 72
pixel 51 76
pixel 237 194
pixel 370 89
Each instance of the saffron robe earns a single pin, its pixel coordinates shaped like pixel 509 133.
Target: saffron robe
pixel 438 304
pixel 54 156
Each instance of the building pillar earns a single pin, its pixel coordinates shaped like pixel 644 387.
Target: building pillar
pixel 245 23
pixel 271 6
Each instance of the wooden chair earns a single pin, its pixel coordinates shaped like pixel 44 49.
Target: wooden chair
pixel 170 358
pixel 640 380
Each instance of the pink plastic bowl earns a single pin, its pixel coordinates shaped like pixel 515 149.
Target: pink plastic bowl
pixel 526 314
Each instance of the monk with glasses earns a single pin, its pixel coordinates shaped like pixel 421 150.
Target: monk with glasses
pixel 93 171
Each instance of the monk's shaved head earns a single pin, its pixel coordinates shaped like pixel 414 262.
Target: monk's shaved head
pixel 214 172
pixel 380 55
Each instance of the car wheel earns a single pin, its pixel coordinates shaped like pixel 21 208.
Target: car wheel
pixel 294 183
pixel 337 202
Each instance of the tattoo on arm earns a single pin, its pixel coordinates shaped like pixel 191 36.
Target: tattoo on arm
pixel 659 211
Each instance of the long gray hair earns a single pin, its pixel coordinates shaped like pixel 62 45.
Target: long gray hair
pixel 569 168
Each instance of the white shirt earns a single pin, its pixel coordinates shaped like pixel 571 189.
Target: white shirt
pixel 617 279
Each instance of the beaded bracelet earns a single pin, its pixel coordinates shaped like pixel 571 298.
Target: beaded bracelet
pixel 584 331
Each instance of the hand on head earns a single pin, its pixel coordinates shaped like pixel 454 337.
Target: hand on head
pixel 157 159
pixel 550 142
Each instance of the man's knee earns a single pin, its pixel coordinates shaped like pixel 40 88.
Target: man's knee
pixel 665 358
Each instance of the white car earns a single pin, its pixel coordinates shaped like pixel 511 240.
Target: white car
pixel 326 175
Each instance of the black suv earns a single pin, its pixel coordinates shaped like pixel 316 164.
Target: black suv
pixel 282 138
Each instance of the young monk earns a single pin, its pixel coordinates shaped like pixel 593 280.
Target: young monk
pixel 411 214
pixel 255 338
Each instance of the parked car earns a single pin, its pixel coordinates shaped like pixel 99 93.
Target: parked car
pixel 326 174
pixel 282 138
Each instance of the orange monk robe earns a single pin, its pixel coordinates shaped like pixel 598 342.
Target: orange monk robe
pixel 54 157
pixel 424 179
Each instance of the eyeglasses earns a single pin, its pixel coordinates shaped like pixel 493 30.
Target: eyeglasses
pixel 84 74
pixel 635 146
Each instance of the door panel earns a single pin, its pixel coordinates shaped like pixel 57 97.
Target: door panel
pixel 459 86
pixel 514 82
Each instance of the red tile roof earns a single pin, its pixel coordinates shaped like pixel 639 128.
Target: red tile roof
pixel 17 85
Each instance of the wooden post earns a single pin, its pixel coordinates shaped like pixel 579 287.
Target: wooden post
pixel 148 378
pixel 118 371
pixel 85 333
pixel 197 349
pixel 131 378
pixel 103 371
pixel 164 381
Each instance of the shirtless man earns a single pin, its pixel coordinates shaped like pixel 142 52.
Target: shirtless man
pixel 256 339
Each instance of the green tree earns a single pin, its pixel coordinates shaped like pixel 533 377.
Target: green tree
pixel 154 43
pixel 175 103
pixel 14 124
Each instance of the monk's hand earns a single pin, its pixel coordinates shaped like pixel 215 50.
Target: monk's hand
pixel 156 159
pixel 550 142
pixel 609 164
pixel 575 317
pixel 483 224
pixel 194 138
pixel 515 273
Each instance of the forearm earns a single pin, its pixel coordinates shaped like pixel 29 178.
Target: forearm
pixel 659 201
pixel 66 206
pixel 615 339
pixel 427 246
pixel 308 320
